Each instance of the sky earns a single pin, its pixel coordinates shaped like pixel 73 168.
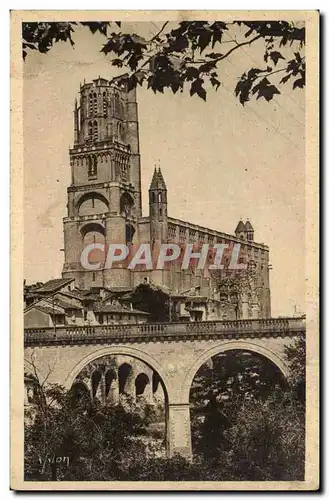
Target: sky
pixel 221 161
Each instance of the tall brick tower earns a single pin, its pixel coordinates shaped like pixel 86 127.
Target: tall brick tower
pixel 158 208
pixel 104 198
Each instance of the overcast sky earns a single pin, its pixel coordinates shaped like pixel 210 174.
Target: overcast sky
pixel 221 161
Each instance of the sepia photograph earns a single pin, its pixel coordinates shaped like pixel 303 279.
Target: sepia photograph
pixel 164 307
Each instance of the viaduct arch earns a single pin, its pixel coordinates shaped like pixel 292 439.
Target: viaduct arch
pixel 251 347
pixel 116 351
pixel 175 351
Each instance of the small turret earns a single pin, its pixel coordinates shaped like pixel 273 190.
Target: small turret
pixel 250 231
pixel 240 230
pixel 158 190
pixel 244 231
pixel 158 206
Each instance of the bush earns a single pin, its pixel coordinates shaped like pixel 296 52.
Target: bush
pixel 267 440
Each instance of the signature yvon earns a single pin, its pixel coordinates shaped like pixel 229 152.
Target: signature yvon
pixel 53 459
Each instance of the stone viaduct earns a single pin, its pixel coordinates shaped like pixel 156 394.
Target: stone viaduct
pixel 175 351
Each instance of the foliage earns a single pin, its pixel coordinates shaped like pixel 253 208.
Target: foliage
pixel 296 357
pixel 218 391
pixel 246 420
pixel 153 300
pixel 99 441
pixel 264 443
pixel 267 440
pixel 42 36
pixel 189 54
pixel 246 425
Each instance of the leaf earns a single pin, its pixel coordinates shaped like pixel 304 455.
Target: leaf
pixel 138 40
pixel 275 56
pixel 117 62
pixel 214 82
pixel 299 83
pixel 205 68
pixel 285 78
pixel 242 90
pixel 140 76
pixel 265 90
pixel 134 60
pixel 214 55
pixel 249 32
pixel 97 26
pixel 191 73
pixel 196 88
pixel 298 58
pixel 177 44
pixel 204 40
pixel 216 37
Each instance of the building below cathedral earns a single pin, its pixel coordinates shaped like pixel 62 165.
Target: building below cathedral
pixel 104 207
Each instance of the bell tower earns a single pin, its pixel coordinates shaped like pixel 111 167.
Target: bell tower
pixel 158 208
pixel 104 198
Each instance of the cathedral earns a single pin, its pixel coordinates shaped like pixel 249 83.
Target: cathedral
pixel 104 207
pixel 104 203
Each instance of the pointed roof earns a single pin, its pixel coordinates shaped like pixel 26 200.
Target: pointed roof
pixel 240 227
pixel 158 180
pixel 154 182
pixel 248 226
pixel 161 181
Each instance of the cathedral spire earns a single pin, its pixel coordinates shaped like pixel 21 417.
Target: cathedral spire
pixel 161 182
pixel 154 182
pixel 158 180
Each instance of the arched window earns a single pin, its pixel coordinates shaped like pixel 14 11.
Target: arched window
pixel 92 166
pixel 110 377
pixel 90 104
pixel 126 204
pixel 153 197
pixel 117 106
pixel 95 130
pixel 95 103
pixel 92 203
pixel 130 231
pixel 141 382
pixel 105 103
pixel 90 129
pixel 159 198
pixel 119 130
pixel 95 381
pixel 125 371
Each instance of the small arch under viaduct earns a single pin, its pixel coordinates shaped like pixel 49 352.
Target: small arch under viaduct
pixel 175 351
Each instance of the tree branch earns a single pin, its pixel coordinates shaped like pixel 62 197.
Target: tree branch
pixel 159 33
pixel 224 56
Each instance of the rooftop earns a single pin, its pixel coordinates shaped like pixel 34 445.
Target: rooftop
pixel 53 285
pixel 118 308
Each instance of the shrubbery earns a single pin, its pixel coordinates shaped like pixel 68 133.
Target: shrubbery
pixel 258 434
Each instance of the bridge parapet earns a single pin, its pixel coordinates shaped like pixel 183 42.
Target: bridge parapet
pixel 254 328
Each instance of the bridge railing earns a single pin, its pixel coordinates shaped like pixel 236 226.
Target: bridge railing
pixel 254 327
